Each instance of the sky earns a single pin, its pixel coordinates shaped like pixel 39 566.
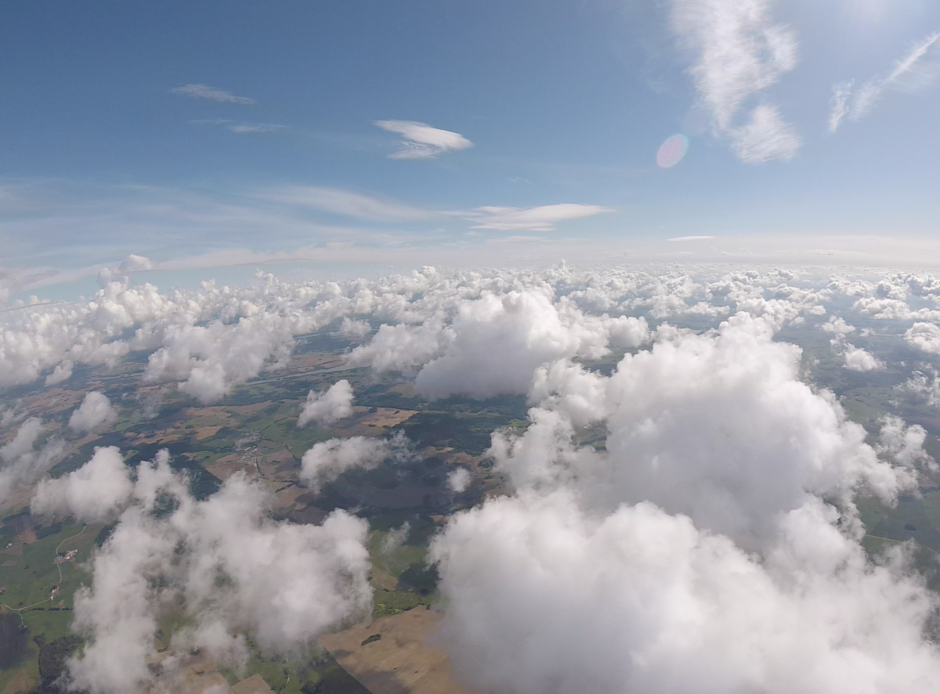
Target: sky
pixel 236 133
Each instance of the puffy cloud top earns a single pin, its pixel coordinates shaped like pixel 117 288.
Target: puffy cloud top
pixel 95 411
pixel 328 407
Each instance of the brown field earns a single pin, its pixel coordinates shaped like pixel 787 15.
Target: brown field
pixel 53 401
pixel 402 661
pixel 20 684
pixel 365 423
pixel 288 496
pixel 252 685
pixel 227 466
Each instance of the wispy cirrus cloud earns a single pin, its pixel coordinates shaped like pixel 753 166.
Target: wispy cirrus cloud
pixel 915 71
pixel 421 141
pixel 204 91
pixel 238 127
pixel 347 203
pixel 740 52
pixel 541 218
pixel 766 137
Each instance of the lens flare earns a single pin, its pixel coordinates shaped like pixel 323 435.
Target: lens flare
pixel 671 151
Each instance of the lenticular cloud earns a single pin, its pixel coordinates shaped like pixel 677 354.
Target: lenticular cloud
pixel 712 547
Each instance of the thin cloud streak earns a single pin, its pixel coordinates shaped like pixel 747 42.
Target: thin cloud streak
pixel 237 127
pixel 915 71
pixel 204 91
pixel 347 203
pixel 541 218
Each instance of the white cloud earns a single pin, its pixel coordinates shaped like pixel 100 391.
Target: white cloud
pixel 356 329
pixel 135 263
pixel 402 347
pixel 327 460
pixel 645 601
pixel 924 387
pixel 904 445
pixel 204 91
pixel 239 127
pixel 857 359
pixel 95 411
pixel 285 584
pixel 841 104
pixel 541 218
pixel 915 71
pixel 765 138
pixel 327 407
pixel 497 342
pixel 210 360
pixel 396 538
pixel 925 337
pixel 459 479
pixel 421 141
pixel 740 52
pixel 838 326
pixel 94 493
pixel 22 463
pixel 715 529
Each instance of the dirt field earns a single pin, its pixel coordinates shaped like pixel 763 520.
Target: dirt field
pixel 402 661
pixel 20 684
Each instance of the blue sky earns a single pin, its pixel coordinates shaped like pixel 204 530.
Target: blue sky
pixel 233 131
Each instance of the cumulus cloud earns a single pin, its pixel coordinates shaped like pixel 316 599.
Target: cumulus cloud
pixel 716 529
pixel 93 493
pixel 915 71
pixel 402 347
pixel 458 480
pixel 739 52
pixel 135 263
pixel 204 91
pixel 421 141
pixel 499 341
pixel 232 568
pixel 327 460
pixel 95 411
pixel 541 218
pixel 925 337
pixel 329 406
pixel 61 373
pixel 638 591
pixel 23 460
pixel 838 326
pixel 858 359
pixel 209 360
pixel 924 385
pixel 904 444
pixel 355 329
